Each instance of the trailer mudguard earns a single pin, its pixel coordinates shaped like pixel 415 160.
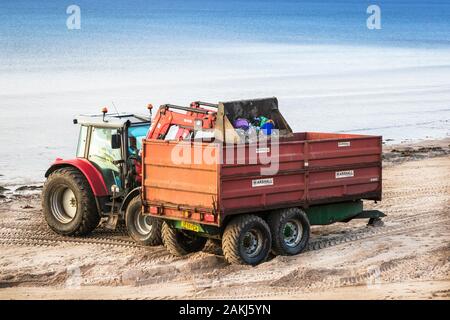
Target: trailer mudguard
pixel 93 176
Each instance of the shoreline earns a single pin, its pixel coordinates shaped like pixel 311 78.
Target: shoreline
pixel 415 150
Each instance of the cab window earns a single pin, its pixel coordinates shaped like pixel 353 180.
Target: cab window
pixel 100 148
pixel 135 136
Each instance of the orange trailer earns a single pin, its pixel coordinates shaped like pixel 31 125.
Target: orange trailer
pixel 262 195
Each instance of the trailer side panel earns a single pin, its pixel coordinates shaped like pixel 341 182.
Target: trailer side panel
pixel 324 168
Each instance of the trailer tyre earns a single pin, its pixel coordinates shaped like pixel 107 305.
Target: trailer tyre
pixel 246 240
pixel 68 203
pixel 290 231
pixel 180 242
pixel 143 229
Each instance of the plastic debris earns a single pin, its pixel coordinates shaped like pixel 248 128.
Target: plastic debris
pixel 250 130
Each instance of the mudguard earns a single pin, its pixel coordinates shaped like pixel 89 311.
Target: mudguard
pixel 133 193
pixel 93 176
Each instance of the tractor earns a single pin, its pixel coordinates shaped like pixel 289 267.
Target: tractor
pixel 101 185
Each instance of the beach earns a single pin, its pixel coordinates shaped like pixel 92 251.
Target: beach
pixel 407 258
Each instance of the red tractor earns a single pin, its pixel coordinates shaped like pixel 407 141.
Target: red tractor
pixel 103 182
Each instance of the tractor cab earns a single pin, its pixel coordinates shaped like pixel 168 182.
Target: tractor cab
pixel 111 143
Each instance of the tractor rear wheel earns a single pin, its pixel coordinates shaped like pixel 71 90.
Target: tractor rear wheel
pixel 180 242
pixel 246 240
pixel 68 203
pixel 144 229
pixel 290 231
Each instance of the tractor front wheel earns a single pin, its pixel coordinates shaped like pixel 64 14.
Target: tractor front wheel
pixel 144 229
pixel 68 203
pixel 180 242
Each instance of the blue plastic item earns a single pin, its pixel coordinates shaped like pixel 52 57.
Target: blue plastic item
pixel 267 127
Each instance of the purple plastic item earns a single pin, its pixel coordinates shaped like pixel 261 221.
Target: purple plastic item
pixel 241 123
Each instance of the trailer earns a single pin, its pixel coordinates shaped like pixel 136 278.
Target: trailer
pixel 257 197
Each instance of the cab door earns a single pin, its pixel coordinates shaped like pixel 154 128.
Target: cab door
pixel 104 157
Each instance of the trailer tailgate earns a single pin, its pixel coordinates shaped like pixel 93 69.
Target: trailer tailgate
pixel 173 189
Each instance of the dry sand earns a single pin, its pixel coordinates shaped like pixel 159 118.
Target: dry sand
pixel 407 258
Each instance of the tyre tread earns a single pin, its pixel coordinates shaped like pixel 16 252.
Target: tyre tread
pixel 274 224
pixel 90 217
pixel 170 241
pixel 230 240
pixel 155 240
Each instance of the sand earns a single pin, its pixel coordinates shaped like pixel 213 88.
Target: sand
pixel 407 258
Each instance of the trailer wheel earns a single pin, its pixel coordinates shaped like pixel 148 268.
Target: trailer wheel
pixel 143 229
pixel 180 242
pixel 68 203
pixel 290 231
pixel 246 240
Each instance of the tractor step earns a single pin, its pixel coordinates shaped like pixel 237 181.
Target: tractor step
pixel 111 222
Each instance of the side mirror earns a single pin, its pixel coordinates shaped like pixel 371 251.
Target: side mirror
pixel 116 142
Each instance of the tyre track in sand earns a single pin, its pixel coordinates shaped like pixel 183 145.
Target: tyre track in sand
pixel 411 212
pixel 34 232
pixel 435 189
pixel 324 242
pixel 42 238
pixel 366 278
pixel 398 266
pixel 47 238
pixel 368 231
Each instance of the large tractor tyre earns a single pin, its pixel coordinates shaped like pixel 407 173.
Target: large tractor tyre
pixel 290 231
pixel 68 203
pixel 180 242
pixel 246 240
pixel 144 229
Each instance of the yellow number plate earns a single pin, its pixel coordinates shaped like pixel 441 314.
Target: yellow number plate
pixel 190 226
